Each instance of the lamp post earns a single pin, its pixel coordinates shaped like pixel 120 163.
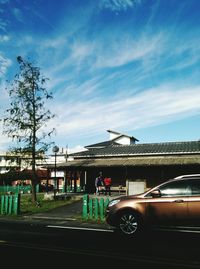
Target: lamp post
pixel 55 150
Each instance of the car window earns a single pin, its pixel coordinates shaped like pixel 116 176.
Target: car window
pixel 177 188
pixel 195 187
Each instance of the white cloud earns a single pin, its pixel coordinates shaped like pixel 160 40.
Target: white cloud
pixel 117 5
pixel 95 70
pixel 4 141
pixel 81 50
pixel 148 108
pixel 4 38
pixel 77 148
pixel 128 49
pixel 4 64
pixel 3 25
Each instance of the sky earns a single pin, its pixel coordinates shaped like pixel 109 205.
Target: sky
pixel 131 66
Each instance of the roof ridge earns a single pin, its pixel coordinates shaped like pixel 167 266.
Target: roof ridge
pixel 158 143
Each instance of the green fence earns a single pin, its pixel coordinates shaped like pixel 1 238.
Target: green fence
pixel 94 208
pixel 10 204
pixel 18 189
pixel 72 189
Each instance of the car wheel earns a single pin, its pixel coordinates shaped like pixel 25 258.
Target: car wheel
pixel 129 223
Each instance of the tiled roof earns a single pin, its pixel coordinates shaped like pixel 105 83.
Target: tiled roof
pixel 166 148
pixel 102 144
pixel 132 161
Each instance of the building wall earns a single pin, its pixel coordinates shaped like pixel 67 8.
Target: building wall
pixel 152 175
pixel 123 140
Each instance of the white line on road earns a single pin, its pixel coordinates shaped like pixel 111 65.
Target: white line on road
pixel 179 230
pixel 80 228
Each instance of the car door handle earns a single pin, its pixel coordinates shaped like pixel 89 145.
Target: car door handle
pixel 179 201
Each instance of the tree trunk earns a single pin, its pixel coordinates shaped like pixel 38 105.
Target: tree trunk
pixel 34 196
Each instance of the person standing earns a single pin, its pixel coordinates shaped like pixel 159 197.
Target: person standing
pixel 107 184
pixel 99 184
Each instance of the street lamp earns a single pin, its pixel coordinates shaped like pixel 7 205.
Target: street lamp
pixel 55 150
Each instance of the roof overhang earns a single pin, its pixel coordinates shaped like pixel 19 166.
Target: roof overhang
pixel 137 161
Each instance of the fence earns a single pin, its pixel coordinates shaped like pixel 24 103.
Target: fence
pixel 10 204
pixel 94 208
pixel 18 189
pixel 72 189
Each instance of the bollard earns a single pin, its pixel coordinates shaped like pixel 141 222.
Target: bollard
pixel 85 206
pixel 101 209
pixel 106 202
pixel 96 208
pixel 91 208
pixel 6 204
pixel 10 202
pixel 2 204
pixel 16 204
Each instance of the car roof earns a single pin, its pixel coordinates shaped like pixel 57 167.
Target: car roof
pixel 188 176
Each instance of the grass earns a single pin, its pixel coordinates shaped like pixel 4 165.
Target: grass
pixel 28 207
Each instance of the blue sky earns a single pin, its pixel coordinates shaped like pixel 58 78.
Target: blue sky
pixel 132 66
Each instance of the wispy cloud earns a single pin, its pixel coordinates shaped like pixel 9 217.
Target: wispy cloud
pixel 131 71
pixel 117 5
pixel 18 14
pixel 152 56
pixel 5 141
pixel 152 107
pixel 4 64
pixel 3 8
pixel 4 38
pixel 3 25
pixel 127 49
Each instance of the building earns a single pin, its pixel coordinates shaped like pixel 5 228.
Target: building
pixel 125 160
pixel 16 168
pixel 130 164
pixel 56 177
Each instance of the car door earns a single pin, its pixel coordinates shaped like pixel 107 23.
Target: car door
pixel 194 203
pixel 170 208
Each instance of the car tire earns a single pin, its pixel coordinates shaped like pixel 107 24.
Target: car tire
pixel 129 224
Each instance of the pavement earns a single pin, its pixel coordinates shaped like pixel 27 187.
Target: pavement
pixel 68 215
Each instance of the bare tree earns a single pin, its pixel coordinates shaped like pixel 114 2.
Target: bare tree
pixel 27 116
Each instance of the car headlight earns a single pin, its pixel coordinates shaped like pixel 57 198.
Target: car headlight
pixel 113 202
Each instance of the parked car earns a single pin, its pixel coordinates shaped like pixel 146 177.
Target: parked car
pixel 171 204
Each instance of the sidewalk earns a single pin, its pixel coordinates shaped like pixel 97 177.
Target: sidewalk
pixel 67 215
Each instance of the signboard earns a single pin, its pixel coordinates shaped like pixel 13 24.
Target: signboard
pixel 58 174
pixel 135 187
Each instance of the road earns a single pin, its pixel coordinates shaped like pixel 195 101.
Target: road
pixel 57 245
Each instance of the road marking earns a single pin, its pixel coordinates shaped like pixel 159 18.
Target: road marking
pixel 51 218
pixel 79 228
pixel 179 230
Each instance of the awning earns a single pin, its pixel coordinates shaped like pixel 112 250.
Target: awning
pixel 137 161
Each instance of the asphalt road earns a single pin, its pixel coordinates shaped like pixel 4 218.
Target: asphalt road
pixel 54 245
pixel 56 238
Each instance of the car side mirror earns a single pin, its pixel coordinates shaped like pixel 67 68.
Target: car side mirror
pixel 156 193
